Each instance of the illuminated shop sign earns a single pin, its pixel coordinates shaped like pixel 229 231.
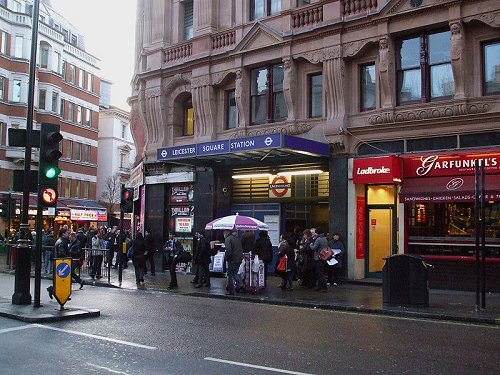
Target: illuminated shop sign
pixel 382 170
pixel 261 142
pixel 88 215
pixel 450 164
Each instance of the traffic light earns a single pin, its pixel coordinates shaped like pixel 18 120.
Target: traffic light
pixel 127 200
pixel 48 169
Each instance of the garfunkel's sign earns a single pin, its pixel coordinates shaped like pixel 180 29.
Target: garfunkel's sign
pixel 381 170
pixel 456 164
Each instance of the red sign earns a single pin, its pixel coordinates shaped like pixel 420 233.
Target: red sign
pixel 48 196
pixel 374 221
pixel 382 170
pixel 360 227
pixel 456 164
pixel 279 187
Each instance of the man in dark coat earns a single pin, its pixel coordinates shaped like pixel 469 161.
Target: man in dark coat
pixel 233 256
pixel 150 252
pixel 204 260
pixel 264 249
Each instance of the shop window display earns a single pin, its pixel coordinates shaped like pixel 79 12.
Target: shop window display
pixel 449 229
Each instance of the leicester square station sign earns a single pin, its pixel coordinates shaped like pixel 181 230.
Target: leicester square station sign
pixel 236 145
pixel 456 164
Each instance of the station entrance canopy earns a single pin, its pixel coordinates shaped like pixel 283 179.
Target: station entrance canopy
pixel 276 147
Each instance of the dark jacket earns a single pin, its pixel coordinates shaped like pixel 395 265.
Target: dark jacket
pixel 61 246
pixel 233 249
pixel 139 246
pixel 248 241
pixel 149 243
pixel 203 251
pixel 264 249
pixel 75 249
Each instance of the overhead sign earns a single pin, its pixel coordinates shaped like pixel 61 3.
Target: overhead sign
pixel 454 164
pixel 62 280
pixel 236 145
pixel 88 215
pixel 380 170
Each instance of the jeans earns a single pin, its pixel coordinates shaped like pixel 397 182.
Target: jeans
pixel 232 276
pixel 319 270
pixel 47 262
pixel 96 265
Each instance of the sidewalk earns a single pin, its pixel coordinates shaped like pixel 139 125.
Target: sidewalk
pixel 358 297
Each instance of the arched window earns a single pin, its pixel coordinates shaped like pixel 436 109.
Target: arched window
pixel 188 126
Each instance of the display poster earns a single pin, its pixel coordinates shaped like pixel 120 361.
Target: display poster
pixel 181 193
pixel 273 230
pixel 360 227
pixel 183 224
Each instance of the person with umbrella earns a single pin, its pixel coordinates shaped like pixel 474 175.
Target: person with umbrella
pixel 233 256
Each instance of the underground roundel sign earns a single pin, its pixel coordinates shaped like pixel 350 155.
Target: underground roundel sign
pixel 280 186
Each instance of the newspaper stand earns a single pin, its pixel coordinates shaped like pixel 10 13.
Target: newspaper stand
pixel 254 281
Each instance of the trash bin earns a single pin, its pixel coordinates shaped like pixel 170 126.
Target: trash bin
pixel 405 281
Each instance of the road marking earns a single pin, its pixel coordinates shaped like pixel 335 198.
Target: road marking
pixel 105 368
pixel 96 337
pixel 256 366
pixel 5 330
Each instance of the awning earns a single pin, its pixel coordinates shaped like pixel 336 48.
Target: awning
pixel 447 189
pixel 270 147
pixel 79 203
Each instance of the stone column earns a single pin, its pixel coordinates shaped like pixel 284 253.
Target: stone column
pixel 241 103
pixel 288 82
pixel 385 73
pixel 204 106
pixel 457 58
pixel 334 86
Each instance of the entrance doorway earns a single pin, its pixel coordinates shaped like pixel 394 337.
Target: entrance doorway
pixel 380 239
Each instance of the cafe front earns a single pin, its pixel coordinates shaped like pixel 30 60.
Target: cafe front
pixel 424 204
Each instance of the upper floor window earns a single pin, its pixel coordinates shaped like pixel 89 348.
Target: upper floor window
pixel 124 129
pixel 88 117
pixel 18 51
pixel 16 91
pixel 73 40
pixel 316 95
pixel 42 94
pixel 3 43
pixel 123 160
pixel 2 88
pixel 231 114
pixel 367 73
pixel 71 112
pixel 303 2
pixel 62 112
pixel 266 90
pixel 66 35
pixel 86 153
pixel 79 114
pixel 188 19
pixel 77 188
pixel 188 128
pixel 263 8
pixel 491 68
pixel 89 82
pixel 16 6
pixel 69 149
pixel 86 189
pixel 67 187
pixel 56 62
pixel 80 77
pixel 78 151
pixel 424 68
pixel 72 74
pixel 44 57
pixel 55 99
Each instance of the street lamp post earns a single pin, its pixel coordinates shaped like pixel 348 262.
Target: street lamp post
pixel 22 294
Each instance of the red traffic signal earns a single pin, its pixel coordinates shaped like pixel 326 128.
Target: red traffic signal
pixel 127 200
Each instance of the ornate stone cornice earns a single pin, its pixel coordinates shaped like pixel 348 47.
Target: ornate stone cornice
pixel 200 81
pixel 491 19
pixel 420 114
pixel 290 129
pixel 176 81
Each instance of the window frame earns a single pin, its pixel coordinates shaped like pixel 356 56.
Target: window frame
pixel 16 83
pixel 71 112
pixel 3 45
pixel 86 153
pixel 3 81
pixel 44 56
pixel 19 47
pixel 42 99
pixel 310 77
pixel 55 100
pixel 362 86
pixel 188 29
pixel 188 111
pixel 267 11
pixel 69 149
pixel 425 67
pixel 483 63
pixel 270 95
pixel 78 151
pixel 229 108
pixel 88 117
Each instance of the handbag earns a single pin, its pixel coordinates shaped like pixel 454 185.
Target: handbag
pixel 326 253
pixel 282 263
pixel 130 252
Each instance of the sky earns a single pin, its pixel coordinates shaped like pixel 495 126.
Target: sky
pixel 109 30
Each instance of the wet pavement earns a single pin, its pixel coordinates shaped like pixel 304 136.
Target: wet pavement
pixel 362 297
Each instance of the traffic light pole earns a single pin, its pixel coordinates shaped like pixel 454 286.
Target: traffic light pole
pixel 120 244
pixel 22 294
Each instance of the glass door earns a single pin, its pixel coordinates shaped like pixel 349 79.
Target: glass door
pixel 380 239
